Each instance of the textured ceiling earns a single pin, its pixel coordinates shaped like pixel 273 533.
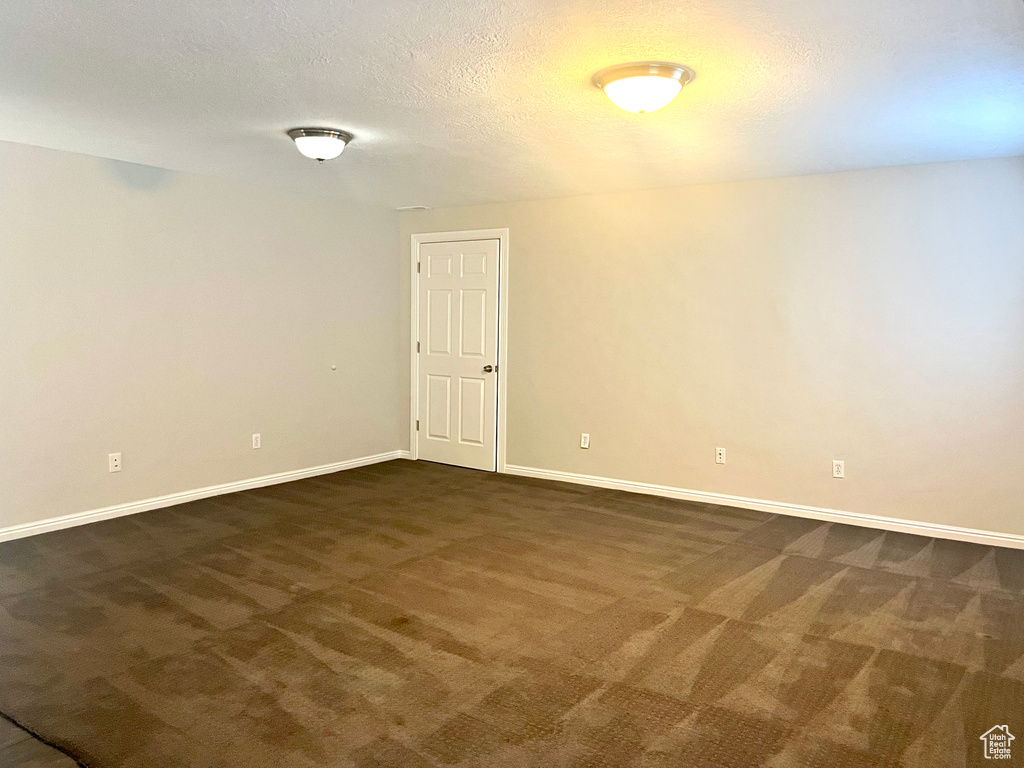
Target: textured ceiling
pixel 469 101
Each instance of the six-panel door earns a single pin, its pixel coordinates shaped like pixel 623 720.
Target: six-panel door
pixel 458 335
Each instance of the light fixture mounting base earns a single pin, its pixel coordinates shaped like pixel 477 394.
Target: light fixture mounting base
pixel 330 133
pixel 667 69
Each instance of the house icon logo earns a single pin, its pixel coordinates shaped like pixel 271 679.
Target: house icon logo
pixel 997 742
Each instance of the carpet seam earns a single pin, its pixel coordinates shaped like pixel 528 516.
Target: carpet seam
pixel 44 740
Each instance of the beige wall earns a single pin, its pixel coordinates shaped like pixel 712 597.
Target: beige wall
pixel 170 316
pixel 874 316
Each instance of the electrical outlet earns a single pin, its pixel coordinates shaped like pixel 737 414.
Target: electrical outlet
pixel 838 469
pixel 585 440
pixel 719 455
pixel 256 441
pixel 114 462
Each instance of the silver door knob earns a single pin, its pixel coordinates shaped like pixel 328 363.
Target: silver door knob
pixel 488 368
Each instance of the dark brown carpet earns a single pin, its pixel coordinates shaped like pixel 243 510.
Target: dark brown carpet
pixel 413 615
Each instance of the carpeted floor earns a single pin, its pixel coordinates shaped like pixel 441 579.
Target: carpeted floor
pixel 19 749
pixel 412 615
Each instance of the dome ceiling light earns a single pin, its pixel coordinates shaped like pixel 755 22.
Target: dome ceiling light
pixel 643 86
pixel 320 143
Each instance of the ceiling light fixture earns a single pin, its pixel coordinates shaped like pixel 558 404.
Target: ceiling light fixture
pixel 643 86
pixel 320 143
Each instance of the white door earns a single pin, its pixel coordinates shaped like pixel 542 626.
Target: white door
pixel 458 353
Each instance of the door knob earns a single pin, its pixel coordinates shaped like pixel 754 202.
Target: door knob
pixel 488 368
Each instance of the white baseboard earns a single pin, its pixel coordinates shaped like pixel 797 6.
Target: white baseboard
pixel 118 510
pixel 990 538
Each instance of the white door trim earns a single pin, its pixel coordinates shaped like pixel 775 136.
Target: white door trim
pixel 414 394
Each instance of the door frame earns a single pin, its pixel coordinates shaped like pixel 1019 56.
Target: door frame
pixel 501 235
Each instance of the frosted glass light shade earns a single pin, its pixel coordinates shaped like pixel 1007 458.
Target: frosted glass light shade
pixel 643 86
pixel 320 143
pixel 642 94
